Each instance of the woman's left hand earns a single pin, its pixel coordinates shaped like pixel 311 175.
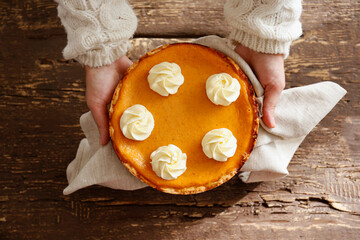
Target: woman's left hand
pixel 269 69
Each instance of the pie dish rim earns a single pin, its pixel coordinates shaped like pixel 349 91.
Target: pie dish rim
pixel 210 185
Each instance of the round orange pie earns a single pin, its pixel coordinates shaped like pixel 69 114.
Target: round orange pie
pixel 183 119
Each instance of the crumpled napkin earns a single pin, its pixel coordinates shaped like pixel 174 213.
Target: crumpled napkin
pixel 299 110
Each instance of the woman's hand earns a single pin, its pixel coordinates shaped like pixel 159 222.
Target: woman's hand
pixel 269 69
pixel 100 86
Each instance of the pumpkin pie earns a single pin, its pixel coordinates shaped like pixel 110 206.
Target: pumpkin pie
pixel 183 118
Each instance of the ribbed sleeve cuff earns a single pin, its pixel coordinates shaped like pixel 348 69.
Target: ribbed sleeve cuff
pixel 104 56
pixel 259 44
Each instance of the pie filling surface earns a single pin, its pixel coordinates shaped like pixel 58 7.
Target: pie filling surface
pixel 183 119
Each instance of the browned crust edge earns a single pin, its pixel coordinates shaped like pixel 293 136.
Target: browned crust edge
pixel 223 179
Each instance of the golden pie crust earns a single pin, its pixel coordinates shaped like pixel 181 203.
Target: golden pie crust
pixel 184 118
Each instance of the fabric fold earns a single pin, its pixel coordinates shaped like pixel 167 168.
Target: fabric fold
pixel 96 164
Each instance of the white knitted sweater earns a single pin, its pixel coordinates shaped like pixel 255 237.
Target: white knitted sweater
pixel 98 31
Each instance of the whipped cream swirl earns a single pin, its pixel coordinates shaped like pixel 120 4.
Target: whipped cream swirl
pixel 219 144
pixel 222 89
pixel 168 162
pixel 137 122
pixel 165 78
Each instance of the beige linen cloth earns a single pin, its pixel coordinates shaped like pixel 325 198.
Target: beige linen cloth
pixel 299 110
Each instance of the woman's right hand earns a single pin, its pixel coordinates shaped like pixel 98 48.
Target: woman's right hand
pixel 100 86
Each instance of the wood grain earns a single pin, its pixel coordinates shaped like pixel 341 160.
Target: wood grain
pixel 42 98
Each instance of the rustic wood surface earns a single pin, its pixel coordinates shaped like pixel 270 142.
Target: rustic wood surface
pixel 42 98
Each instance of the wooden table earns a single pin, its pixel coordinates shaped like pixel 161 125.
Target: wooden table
pixel 42 98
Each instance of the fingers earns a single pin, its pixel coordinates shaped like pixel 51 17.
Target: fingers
pixel 100 114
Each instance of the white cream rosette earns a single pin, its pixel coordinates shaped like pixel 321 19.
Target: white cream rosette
pixel 168 162
pixel 165 78
pixel 219 144
pixel 137 122
pixel 222 89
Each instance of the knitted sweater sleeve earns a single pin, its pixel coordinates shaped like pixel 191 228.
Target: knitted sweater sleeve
pixel 267 26
pixel 98 31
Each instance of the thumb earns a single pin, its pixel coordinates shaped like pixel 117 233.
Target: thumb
pixel 271 99
pixel 122 64
pixel 99 112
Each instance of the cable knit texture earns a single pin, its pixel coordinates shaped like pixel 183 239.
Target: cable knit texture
pixel 98 31
pixel 267 26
